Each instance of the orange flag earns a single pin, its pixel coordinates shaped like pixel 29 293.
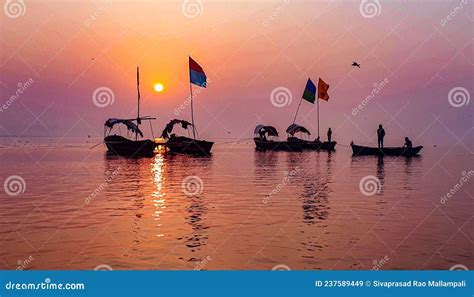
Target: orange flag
pixel 323 90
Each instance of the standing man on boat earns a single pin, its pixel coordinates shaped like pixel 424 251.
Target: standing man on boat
pixel 380 136
pixel 329 134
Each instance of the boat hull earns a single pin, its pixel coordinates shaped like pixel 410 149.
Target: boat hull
pixel 290 146
pixel 318 145
pixel 185 145
pixel 358 150
pixel 125 147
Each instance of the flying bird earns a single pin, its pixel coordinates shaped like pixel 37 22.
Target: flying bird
pixel 355 64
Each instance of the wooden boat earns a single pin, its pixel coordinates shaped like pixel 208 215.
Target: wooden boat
pixel 262 143
pixel 307 144
pixel 182 144
pixel 120 145
pixel 358 150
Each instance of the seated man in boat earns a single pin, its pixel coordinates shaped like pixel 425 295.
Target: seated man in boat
pixel 329 134
pixel 380 136
pixel 408 144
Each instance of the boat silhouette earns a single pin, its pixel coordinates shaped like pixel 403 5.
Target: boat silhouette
pixel 358 150
pixel 263 143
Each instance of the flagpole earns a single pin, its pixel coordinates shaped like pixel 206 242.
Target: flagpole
pixel 138 95
pixel 297 109
pixel 318 114
pixel 192 110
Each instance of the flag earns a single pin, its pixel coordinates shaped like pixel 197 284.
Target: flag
pixel 323 90
pixel 196 74
pixel 309 92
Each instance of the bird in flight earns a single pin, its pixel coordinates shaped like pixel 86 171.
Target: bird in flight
pixel 355 64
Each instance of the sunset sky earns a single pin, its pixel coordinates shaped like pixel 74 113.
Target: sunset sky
pixel 247 49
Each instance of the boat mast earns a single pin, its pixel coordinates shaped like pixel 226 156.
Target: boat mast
pixel 297 109
pixel 317 106
pixel 138 113
pixel 192 110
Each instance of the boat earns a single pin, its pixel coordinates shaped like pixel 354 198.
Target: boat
pixel 311 96
pixel 263 143
pixel 183 144
pixel 358 150
pixel 308 144
pixel 127 146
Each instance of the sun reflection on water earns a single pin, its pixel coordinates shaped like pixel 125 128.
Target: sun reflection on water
pixel 159 201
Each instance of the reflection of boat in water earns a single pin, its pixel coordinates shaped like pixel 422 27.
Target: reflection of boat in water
pixel 182 144
pixel 307 144
pixel 261 133
pixel 120 145
pixel 358 150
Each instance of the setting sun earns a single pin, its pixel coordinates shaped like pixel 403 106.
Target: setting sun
pixel 159 88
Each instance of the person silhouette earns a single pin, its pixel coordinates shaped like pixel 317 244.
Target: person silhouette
pixel 329 134
pixel 408 144
pixel 380 136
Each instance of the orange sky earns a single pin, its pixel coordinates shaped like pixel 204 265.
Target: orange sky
pixel 247 49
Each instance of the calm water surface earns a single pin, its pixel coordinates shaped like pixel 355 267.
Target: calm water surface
pixel 238 209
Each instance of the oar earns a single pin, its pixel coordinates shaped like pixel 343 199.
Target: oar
pixel 96 145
